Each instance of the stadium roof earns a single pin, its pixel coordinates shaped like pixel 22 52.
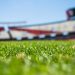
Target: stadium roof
pixel 19 24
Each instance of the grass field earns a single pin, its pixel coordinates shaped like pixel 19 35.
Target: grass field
pixel 37 57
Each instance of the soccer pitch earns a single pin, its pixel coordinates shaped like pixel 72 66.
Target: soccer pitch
pixel 46 57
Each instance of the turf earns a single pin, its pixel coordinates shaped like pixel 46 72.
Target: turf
pixel 37 57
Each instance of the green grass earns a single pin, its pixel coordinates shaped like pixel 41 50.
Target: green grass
pixel 37 57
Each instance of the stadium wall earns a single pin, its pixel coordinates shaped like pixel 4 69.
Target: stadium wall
pixel 39 30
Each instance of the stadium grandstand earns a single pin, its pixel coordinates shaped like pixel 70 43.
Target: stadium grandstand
pixel 55 30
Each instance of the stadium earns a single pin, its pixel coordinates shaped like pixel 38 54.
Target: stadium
pixel 51 50
pixel 55 30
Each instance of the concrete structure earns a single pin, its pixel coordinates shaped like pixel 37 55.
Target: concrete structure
pixel 37 30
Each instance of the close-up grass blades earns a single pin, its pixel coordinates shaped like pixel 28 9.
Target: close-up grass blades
pixel 37 57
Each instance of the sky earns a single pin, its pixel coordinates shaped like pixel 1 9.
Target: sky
pixel 34 11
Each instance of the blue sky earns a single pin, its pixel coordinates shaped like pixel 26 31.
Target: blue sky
pixel 34 11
